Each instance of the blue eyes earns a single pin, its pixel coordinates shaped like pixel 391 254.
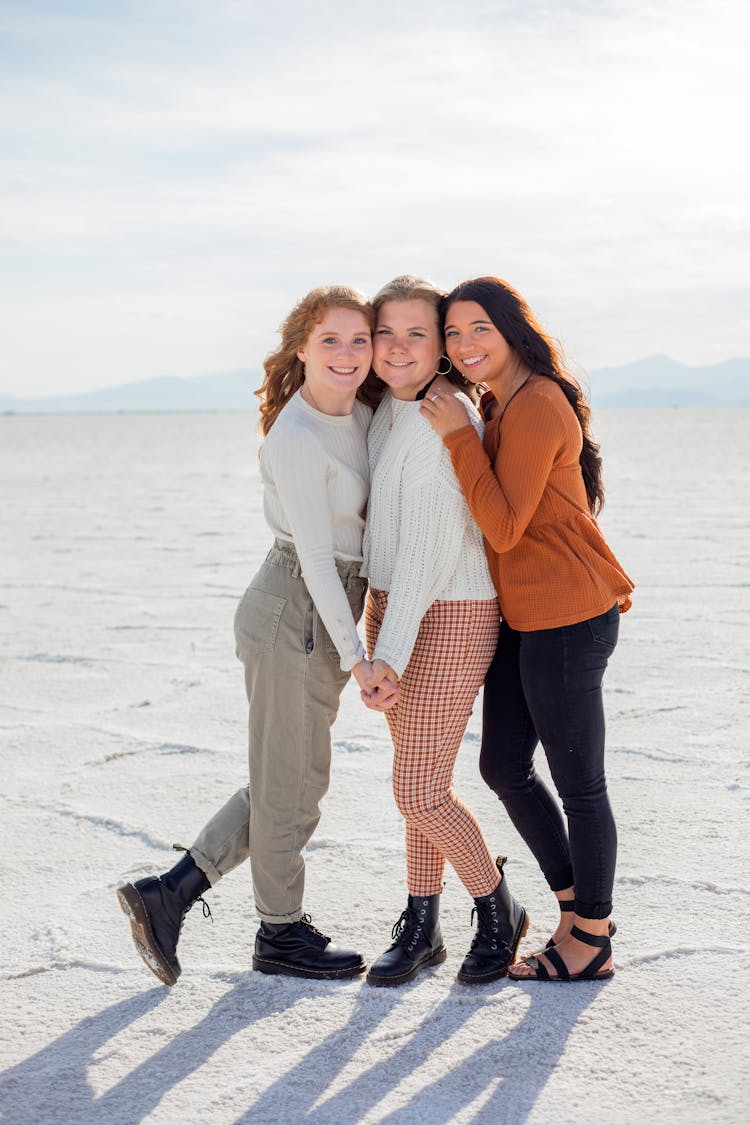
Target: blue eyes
pixel 358 340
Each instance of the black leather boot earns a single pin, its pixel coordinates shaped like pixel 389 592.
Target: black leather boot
pixel 297 949
pixel 156 908
pixel 417 943
pixel 501 923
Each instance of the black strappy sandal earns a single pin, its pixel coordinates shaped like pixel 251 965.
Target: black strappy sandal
pixel 593 970
pixel 567 906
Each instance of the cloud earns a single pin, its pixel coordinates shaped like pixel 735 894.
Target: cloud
pixel 184 165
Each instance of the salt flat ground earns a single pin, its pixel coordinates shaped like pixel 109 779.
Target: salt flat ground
pixel 126 541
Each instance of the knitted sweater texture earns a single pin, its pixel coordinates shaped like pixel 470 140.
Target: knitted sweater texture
pixel 315 476
pixel 420 544
pixel 548 558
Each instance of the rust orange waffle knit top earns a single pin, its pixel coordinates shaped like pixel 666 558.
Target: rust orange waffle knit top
pixel 549 561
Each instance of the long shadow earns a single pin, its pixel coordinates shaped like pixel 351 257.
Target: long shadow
pixel 370 1087
pixel 300 1087
pixel 248 1002
pixel 519 1064
pixel 26 1090
pixel 52 1085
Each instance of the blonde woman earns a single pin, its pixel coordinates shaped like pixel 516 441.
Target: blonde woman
pixel 296 635
pixel 432 620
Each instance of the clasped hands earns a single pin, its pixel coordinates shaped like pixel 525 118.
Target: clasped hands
pixel 378 684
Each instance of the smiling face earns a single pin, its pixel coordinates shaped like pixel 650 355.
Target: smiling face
pixel 337 356
pixel 475 346
pixel 407 346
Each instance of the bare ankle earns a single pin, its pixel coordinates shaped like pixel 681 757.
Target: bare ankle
pixel 565 898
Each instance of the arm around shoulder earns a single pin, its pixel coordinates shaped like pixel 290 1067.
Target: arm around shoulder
pixel 504 493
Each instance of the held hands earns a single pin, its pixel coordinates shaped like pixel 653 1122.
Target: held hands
pixel 378 684
pixel 442 409
pixel 387 691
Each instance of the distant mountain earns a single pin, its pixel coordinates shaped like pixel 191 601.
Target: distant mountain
pixel 229 390
pixel 661 381
pixel 654 382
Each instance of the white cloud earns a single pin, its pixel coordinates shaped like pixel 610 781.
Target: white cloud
pixel 177 174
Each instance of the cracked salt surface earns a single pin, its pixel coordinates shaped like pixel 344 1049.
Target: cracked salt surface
pixel 125 600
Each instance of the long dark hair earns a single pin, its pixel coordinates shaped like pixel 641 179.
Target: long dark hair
pixel 517 324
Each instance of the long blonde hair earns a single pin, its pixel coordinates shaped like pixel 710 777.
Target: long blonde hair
pixel 284 371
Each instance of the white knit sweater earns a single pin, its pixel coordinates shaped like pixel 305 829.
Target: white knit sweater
pixel 421 543
pixel 315 475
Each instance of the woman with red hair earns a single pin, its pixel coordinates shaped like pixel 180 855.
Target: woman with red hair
pixel 296 634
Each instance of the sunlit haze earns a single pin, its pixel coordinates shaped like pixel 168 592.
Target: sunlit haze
pixel 177 174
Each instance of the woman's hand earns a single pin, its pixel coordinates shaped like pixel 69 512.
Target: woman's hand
pixel 386 690
pixel 443 410
pixel 378 684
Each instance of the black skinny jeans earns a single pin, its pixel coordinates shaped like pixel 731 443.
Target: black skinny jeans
pixel 546 686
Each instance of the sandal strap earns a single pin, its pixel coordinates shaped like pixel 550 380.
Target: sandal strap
pixel 557 963
pixel 599 940
pixel 535 964
pixel 593 966
pixel 567 905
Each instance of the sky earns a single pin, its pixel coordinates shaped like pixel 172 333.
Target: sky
pixel 175 175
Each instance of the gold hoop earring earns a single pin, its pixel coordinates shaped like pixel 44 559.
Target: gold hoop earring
pixel 450 366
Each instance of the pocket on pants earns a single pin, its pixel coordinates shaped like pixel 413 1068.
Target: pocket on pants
pixel 256 622
pixel 604 629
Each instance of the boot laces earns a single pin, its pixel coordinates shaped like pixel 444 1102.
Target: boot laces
pixel 205 908
pixel 306 921
pixel 487 926
pixel 204 905
pixel 407 927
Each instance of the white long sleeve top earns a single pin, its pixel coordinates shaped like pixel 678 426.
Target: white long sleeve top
pixel 421 543
pixel 316 479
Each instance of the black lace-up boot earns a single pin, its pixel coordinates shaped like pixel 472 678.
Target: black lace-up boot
pixel 157 907
pixel 417 943
pixel 501 923
pixel 297 949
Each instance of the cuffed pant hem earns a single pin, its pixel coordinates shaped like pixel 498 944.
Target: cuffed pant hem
pixel 426 893
pixel 593 909
pixel 559 880
pixel 212 873
pixel 280 919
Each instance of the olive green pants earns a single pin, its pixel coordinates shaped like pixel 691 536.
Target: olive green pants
pixel 293 681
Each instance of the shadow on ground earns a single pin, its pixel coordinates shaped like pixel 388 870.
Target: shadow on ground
pixel 507 1073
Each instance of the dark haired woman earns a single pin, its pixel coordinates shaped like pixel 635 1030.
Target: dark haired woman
pixel 534 486
pixel 296 635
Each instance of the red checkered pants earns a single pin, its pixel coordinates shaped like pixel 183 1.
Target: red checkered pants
pixel 452 653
